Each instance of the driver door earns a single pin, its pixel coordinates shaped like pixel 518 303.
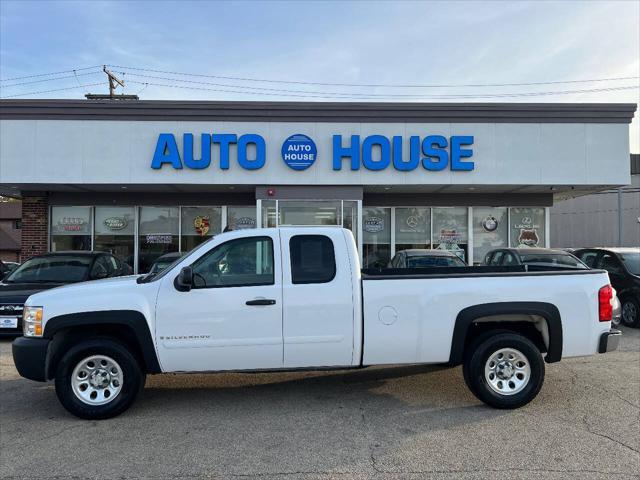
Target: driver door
pixel 232 317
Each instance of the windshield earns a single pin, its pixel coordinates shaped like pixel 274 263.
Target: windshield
pixel 552 260
pixel 54 269
pixel 435 261
pixel 631 261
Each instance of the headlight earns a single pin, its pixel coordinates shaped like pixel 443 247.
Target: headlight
pixel 32 321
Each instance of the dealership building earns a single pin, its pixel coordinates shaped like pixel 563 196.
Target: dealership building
pixel 141 178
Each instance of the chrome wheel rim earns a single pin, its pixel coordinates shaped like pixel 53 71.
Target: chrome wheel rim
pixel 97 380
pixel 629 313
pixel 507 371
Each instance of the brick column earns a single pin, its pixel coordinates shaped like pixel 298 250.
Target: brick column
pixel 35 222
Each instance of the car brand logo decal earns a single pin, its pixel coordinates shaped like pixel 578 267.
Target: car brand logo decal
pixel 412 221
pixel 201 224
pixel 490 223
pixel 528 237
pixel 115 223
pixel 373 224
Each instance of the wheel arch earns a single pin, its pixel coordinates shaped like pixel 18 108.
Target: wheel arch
pixel 128 326
pixel 504 314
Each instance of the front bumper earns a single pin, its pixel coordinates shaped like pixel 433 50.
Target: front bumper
pixel 609 341
pixel 30 357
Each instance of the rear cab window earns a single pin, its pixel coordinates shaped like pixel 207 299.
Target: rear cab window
pixel 312 259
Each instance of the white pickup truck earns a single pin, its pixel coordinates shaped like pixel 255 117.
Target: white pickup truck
pixel 296 298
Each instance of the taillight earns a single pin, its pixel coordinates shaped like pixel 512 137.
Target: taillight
pixel 605 309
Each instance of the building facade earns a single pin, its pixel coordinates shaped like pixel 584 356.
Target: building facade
pixel 141 178
pixel 608 218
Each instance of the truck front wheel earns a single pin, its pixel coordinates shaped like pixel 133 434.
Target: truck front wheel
pixel 98 378
pixel 504 371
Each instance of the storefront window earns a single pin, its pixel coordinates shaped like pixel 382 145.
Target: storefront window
pixel 376 232
pixel 198 225
pixel 157 234
pixel 527 227
pixel 490 230
pixel 114 232
pixel 413 228
pixel 239 218
pixel 451 230
pixel 70 228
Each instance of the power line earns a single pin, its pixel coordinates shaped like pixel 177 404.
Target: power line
pixel 331 95
pixel 286 92
pixel 389 85
pixel 50 79
pixel 54 90
pixel 50 73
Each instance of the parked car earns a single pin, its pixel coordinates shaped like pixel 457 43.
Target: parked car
pixel 623 265
pixel 296 298
pixel 48 271
pixel 164 261
pixel 539 257
pixel 424 258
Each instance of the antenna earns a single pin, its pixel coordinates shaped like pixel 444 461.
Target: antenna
pixel 114 82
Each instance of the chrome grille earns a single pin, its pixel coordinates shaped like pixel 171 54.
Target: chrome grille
pixel 11 310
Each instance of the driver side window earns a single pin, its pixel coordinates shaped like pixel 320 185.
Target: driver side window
pixel 237 263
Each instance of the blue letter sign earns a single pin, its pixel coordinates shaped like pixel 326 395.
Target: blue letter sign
pixel 375 152
pixel 166 152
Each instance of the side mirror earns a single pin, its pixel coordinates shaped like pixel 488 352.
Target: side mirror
pixel 184 281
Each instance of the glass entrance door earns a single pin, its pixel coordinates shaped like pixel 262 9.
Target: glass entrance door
pixel 279 213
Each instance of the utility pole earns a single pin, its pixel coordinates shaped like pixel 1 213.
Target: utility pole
pixel 114 82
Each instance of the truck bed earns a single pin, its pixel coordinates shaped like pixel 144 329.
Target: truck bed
pixel 414 322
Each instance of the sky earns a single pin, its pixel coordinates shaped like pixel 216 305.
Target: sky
pixel 331 42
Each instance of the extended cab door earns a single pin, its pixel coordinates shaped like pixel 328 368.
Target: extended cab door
pixel 232 317
pixel 318 299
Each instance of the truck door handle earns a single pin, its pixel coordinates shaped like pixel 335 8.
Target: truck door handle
pixel 261 301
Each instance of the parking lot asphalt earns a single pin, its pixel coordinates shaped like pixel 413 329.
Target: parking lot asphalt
pixel 394 422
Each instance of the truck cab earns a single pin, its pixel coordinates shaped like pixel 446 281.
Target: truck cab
pixel 249 300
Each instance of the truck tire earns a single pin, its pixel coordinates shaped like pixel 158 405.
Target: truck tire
pixel 630 312
pixel 98 378
pixel 505 370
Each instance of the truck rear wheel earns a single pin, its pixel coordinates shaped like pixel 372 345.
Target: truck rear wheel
pixel 505 370
pixel 98 378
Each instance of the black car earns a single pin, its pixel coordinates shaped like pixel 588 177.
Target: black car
pixel 48 271
pixel 623 265
pixel 424 258
pixel 539 257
